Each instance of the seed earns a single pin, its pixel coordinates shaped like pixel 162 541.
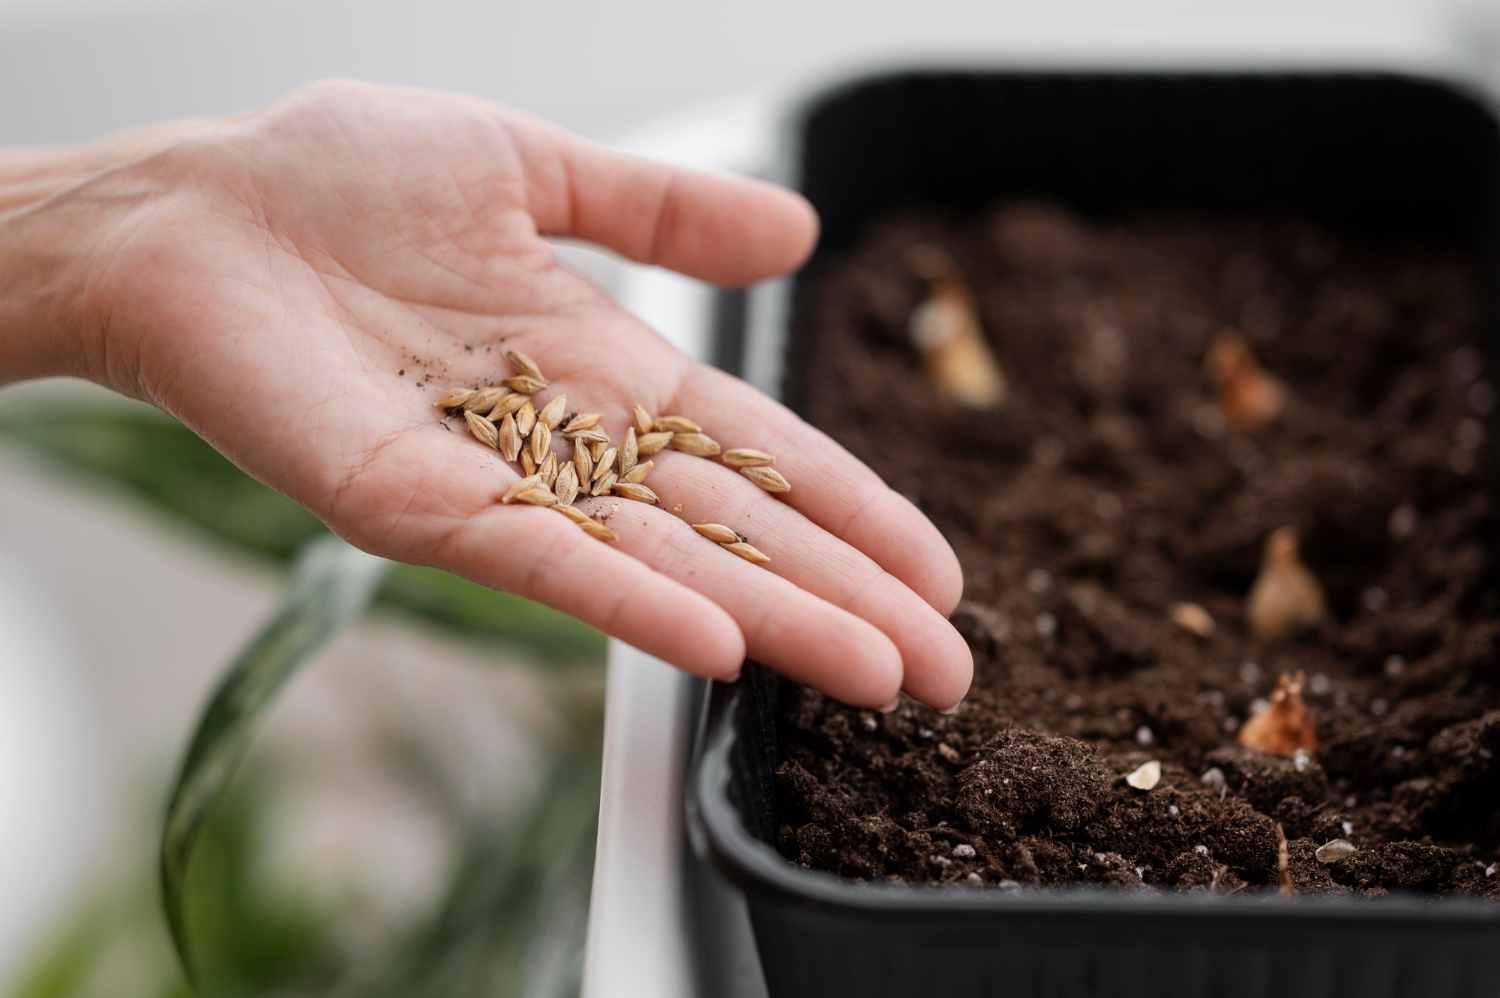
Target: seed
pixel 952 755
pixel 455 397
pixel 537 496
pixel 530 482
pixel 1334 850
pixel 526 418
pixel 484 400
pixel 566 484
pixel 649 443
pixel 552 412
pixel 675 424
pixel 604 464
pixel 510 438
pixel 584 462
pixel 598 447
pixel 604 484
pixel 580 421
pixel 626 458
pixel 528 463
pixel 637 492
pixel 1145 776
pixel 717 532
pixel 592 435
pixel 508 405
pixel 637 475
pixel 767 478
pixel 746 551
pixel 694 443
pixel 1286 596
pixel 643 420
pixel 524 364
pixel 1192 618
pixel 1283 726
pixel 548 470
pixel 571 512
pixel 525 383
pixel 599 530
pixel 1247 395
pixel 746 457
pixel 483 430
pixel 541 442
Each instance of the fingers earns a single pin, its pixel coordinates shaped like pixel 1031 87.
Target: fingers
pixel 721 229
pixel 937 665
pixel 830 486
pixel 785 627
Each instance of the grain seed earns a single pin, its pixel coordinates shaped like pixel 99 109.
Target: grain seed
pixel 566 484
pixel 643 420
pixel 637 475
pixel 537 496
pixel 455 397
pixel 604 463
pixel 524 364
pixel 526 418
pixel 675 424
pixel 748 457
pixel 592 435
pixel 1334 850
pixel 525 383
pixel 484 400
pixel 510 438
pixel 520 486
pixel 598 447
pixel 540 442
pixel 767 478
pixel 548 470
pixel 649 443
pixel 483 430
pixel 598 530
pixel 1193 618
pixel 718 533
pixel 580 421
pixel 584 462
pixel 639 493
pixel 571 512
pixel 694 443
pixel 604 484
pixel 508 405
pixel 528 463
pixel 746 551
pixel 552 412
pixel 1145 776
pixel 625 460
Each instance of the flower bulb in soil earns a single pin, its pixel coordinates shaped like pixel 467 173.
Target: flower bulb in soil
pixel 1286 597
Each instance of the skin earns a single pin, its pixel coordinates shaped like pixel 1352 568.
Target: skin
pixel 264 277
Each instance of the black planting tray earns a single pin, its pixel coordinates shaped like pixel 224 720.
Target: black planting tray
pixel 1373 154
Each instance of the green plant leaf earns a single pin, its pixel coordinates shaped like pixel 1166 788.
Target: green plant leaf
pixel 330 585
pixel 166 465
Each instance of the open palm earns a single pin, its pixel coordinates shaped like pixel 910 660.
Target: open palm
pixel 300 284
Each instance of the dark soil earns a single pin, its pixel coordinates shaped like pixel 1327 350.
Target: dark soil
pixel 1105 490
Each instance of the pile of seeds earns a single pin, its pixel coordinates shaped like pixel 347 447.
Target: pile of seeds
pixel 505 418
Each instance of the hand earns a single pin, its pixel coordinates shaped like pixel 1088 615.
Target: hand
pixel 300 283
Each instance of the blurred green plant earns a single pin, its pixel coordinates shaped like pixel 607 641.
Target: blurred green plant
pixel 162 462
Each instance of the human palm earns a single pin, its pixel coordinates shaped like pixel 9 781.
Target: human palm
pixel 299 284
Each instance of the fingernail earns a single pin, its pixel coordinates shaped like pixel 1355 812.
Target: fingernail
pixel 953 709
pixel 891 707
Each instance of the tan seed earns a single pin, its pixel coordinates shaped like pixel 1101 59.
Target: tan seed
pixel 696 444
pixel 746 457
pixel 548 470
pixel 571 512
pixel 540 442
pixel 566 484
pixel 454 397
pixel 598 447
pixel 528 463
pixel 510 438
pixel 604 484
pixel 584 462
pixel 507 406
pixel 1334 850
pixel 526 418
pixel 525 383
pixel 580 421
pixel 537 497
pixel 552 412
pixel 643 420
pixel 717 532
pixel 484 400
pixel 625 460
pixel 524 364
pixel 649 443
pixel 639 493
pixel 767 478
pixel 1192 618
pixel 604 463
pixel 675 424
pixel 530 482
pixel 483 430
pixel 746 551
pixel 591 435
pixel 599 530
pixel 637 475
pixel 1145 776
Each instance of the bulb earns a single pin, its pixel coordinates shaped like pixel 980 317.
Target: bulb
pixel 1247 395
pixel 1286 596
pixel 1284 727
pixel 946 331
